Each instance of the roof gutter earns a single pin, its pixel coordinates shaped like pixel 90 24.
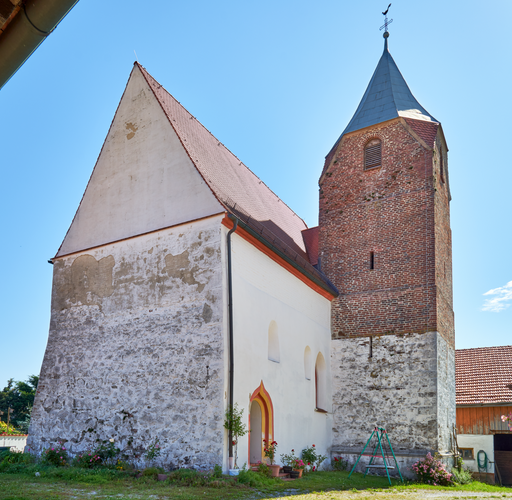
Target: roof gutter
pixel 35 20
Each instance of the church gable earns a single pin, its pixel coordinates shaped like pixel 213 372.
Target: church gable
pixel 144 179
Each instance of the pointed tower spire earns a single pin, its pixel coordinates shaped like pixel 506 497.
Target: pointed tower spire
pixel 387 96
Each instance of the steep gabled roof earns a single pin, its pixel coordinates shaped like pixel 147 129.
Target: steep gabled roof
pixel 233 184
pixel 387 96
pixel 483 375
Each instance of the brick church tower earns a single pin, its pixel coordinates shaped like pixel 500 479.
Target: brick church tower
pixel 385 243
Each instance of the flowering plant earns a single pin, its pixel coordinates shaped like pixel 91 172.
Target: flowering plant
pixel 87 460
pixel 431 470
pixel 107 451
pixel 8 429
pixel 312 458
pixel 153 450
pixel 339 464
pixel 298 464
pixel 270 450
pixel 507 419
pixel 287 459
pixel 57 455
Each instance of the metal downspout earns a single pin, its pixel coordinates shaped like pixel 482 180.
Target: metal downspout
pixel 230 323
pixel 27 30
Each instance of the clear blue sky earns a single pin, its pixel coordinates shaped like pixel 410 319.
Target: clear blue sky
pixel 276 82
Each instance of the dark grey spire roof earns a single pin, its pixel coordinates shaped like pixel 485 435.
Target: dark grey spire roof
pixel 386 97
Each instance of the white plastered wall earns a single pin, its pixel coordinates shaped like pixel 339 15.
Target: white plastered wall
pixel 143 179
pixel 478 442
pixel 16 443
pixel 265 292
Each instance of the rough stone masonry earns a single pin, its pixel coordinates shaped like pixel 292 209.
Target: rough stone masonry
pixel 121 360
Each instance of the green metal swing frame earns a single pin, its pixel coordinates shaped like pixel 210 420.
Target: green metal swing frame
pixel 380 432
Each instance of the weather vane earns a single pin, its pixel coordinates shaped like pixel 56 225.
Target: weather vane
pixel 386 22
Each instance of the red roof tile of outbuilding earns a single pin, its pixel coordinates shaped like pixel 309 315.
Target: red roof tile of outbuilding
pixel 483 375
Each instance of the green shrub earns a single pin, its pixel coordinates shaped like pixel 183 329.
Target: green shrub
pixel 9 429
pixel 152 471
pixel 16 457
pixel 264 470
pixel 461 474
pixel 217 472
pixel 339 464
pixel 87 461
pixel 189 477
pixel 255 479
pixel 57 455
pixel 107 451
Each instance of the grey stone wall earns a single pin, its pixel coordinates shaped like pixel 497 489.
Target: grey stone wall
pixel 135 350
pixel 445 394
pixel 407 387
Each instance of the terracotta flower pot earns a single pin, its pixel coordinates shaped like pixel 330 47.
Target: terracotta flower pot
pixel 274 469
pixel 299 471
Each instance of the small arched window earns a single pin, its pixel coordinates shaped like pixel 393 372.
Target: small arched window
pixel 372 154
pixel 321 383
pixel 308 362
pixel 273 342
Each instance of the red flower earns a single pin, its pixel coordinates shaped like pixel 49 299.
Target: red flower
pixel 234 443
pixel 313 446
pixel 309 463
pixel 293 451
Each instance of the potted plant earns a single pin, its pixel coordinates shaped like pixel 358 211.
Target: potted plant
pixel 270 453
pixel 288 460
pixel 298 466
pixel 233 423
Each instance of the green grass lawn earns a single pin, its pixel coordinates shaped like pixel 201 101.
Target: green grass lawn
pixel 55 484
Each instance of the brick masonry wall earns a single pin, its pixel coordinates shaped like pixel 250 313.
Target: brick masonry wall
pixel 135 350
pixel 443 243
pixel 389 211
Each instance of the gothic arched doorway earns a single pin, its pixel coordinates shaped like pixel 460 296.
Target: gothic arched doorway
pixel 261 423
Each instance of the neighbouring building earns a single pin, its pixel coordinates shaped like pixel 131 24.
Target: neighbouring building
pixel 484 394
pixel 184 284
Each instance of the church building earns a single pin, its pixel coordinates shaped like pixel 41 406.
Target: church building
pixel 185 285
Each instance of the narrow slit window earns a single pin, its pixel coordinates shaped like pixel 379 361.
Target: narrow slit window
pixel 373 154
pixel 441 164
pixel 372 260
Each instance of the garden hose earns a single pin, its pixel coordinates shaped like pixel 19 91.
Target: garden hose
pixel 482 465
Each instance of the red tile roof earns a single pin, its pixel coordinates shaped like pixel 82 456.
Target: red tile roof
pixel 426 130
pixel 483 375
pixel 233 184
pixel 311 241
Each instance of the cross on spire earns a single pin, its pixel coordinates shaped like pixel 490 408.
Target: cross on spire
pixel 386 22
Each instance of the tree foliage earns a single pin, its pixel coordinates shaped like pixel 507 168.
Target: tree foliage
pixel 19 396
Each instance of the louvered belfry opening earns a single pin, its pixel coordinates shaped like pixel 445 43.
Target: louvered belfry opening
pixel 372 154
